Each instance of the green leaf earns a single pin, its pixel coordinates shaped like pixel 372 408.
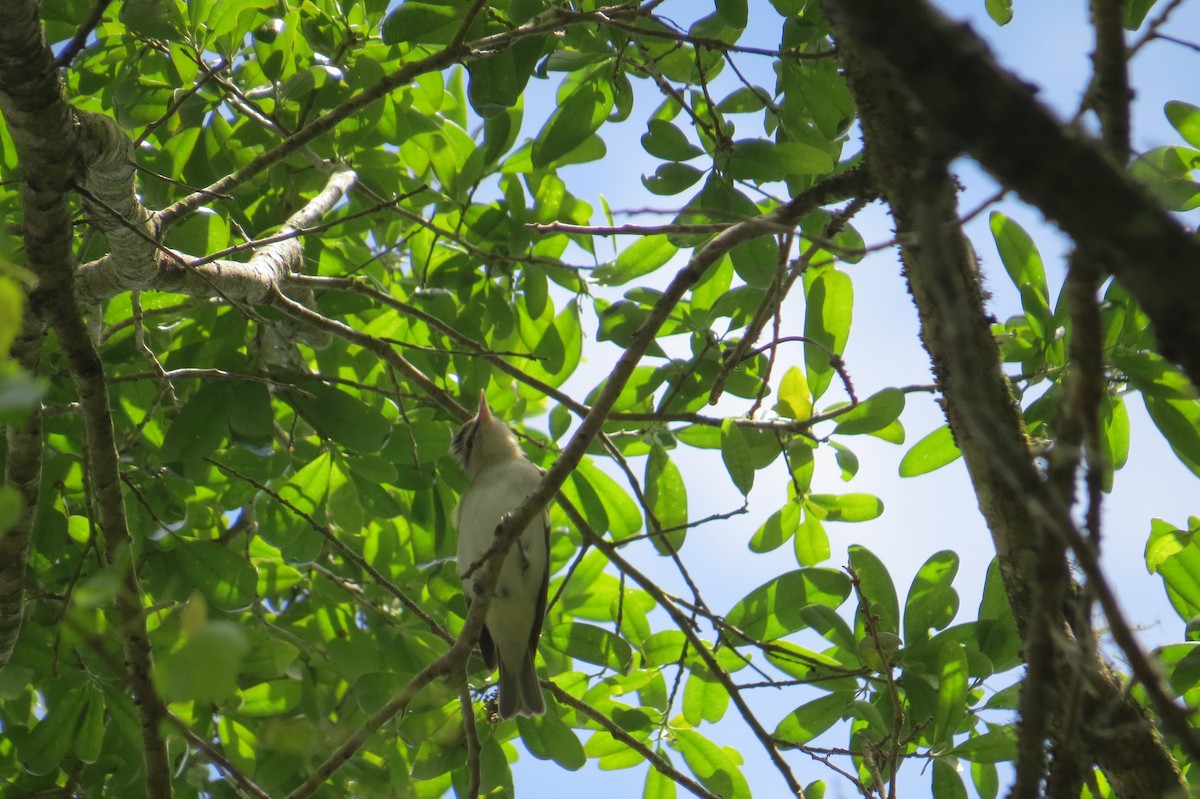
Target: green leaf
pixel 877 587
pixel 424 21
pixel 272 698
pixel 774 609
pixel 666 495
pixel 947 783
pixel 90 736
pixel 829 305
pixel 1018 253
pixel 1166 172
pixel 664 140
pixel 1185 118
pixel 658 785
pixel 932 601
pixel 340 417
pixel 704 698
pixel 711 765
pixel 1179 422
pixel 641 258
pixel 10 507
pixel 795 400
pixel 251 419
pixel 206 667
pixel 763 161
pixel 733 12
pixel 576 119
pixel 51 738
pixel 663 647
pixel 997 629
pixel 228 580
pixel 872 414
pixel 1174 555
pixel 811 543
pixel 670 179
pixel 548 738
pixel 1000 11
pixel 198 429
pixel 590 643
pixel 813 718
pixel 735 452
pixel 952 692
pixel 156 19
pixel 845 507
pixel 996 746
pixel 930 453
pixel 1024 265
pixel 498 80
pixel 615 510
pixel 777 529
pixel 1136 11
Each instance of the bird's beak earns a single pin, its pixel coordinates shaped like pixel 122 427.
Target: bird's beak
pixel 485 412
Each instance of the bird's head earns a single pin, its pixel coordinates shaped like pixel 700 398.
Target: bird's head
pixel 484 440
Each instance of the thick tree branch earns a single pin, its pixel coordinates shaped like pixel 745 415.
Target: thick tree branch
pixel 40 122
pixel 1022 514
pixel 994 117
pixel 22 471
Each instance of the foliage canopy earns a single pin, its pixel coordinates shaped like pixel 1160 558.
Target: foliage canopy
pixel 267 253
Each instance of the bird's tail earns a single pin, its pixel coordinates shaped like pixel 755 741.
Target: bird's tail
pixel 521 694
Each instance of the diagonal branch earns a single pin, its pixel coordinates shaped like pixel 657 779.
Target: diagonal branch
pixel 994 117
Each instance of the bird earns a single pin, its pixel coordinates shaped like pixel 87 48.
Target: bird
pixel 499 477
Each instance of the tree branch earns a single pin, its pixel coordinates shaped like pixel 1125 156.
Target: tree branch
pixel 22 471
pixel 994 117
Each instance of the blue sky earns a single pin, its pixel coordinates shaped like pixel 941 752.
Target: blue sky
pixel 1048 44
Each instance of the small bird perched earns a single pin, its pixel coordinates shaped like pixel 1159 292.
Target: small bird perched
pixel 499 478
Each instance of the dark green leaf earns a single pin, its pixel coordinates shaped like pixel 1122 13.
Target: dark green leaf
pixel 337 415
pixel 226 578
pixel 877 588
pixel 736 454
pixel 669 179
pixel 52 737
pixel 774 609
pixel 733 12
pixel 199 427
pixel 947 783
pixel 813 718
pixel 997 746
pixel 424 21
pixel 590 643
pixel 577 118
pixel 548 738
pixel 665 141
